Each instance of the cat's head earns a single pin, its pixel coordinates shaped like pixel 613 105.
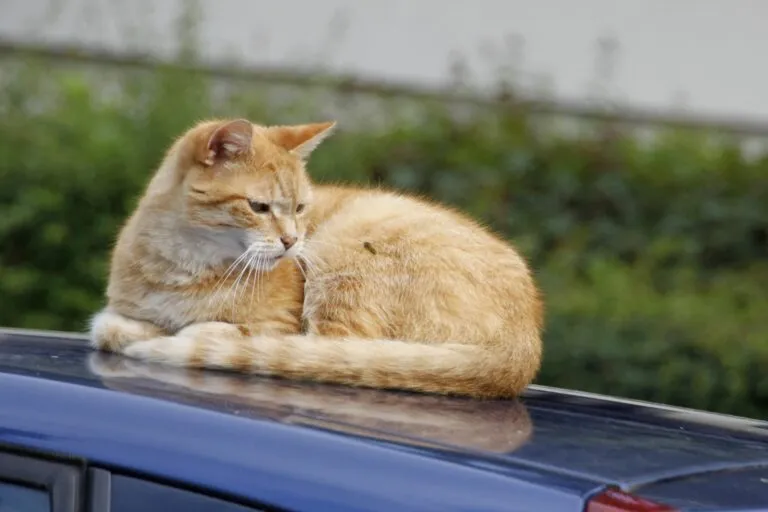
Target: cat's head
pixel 245 186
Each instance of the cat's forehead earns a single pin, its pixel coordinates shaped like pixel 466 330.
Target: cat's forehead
pixel 280 184
pixel 272 181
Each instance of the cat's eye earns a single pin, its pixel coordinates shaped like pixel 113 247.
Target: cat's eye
pixel 300 208
pixel 258 207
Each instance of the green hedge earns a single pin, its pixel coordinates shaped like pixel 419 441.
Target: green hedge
pixel 652 253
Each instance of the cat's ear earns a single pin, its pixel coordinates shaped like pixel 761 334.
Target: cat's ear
pixel 301 139
pixel 226 141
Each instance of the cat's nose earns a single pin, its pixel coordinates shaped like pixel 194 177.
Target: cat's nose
pixel 288 241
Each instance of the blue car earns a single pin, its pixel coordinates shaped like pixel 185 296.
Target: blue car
pixel 94 432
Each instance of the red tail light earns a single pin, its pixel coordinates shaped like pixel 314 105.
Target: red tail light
pixel 614 500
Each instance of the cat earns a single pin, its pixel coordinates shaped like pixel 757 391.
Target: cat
pixel 233 259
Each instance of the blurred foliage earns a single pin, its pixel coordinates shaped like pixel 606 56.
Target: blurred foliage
pixel 651 252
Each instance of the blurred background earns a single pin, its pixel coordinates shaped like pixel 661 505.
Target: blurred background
pixel 620 144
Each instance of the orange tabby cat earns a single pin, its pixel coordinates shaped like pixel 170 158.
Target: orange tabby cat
pixel 399 292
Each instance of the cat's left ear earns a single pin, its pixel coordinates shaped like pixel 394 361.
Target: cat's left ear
pixel 226 141
pixel 301 139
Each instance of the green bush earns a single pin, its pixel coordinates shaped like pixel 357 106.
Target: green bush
pixel 651 253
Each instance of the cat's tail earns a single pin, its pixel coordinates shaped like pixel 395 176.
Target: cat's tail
pixel 456 369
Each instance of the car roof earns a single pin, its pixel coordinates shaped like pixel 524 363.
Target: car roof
pixel 170 421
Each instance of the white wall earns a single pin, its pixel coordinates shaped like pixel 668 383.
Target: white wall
pixel 709 52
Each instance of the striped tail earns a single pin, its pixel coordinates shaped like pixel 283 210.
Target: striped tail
pixel 455 369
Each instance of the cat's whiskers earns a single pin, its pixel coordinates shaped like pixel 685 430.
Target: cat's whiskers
pixel 253 263
pixel 260 275
pixel 312 261
pixel 248 276
pixel 256 266
pixel 236 284
pixel 301 260
pixel 222 280
pixel 260 272
pixel 263 269
pixel 253 249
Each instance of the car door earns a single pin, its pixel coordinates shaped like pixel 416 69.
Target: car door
pixel 34 482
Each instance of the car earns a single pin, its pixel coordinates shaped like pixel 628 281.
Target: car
pixel 82 430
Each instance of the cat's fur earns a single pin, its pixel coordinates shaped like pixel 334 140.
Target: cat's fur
pixel 399 293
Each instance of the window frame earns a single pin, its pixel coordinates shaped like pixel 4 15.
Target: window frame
pixel 62 482
pixel 100 486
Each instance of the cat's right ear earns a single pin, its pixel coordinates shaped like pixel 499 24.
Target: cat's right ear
pixel 227 141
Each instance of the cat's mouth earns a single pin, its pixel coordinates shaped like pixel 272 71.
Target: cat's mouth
pixel 287 255
pixel 268 260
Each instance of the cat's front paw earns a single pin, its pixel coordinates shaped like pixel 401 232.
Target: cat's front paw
pixel 112 331
pixel 179 350
pixel 197 345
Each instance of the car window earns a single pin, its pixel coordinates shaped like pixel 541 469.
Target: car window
pixel 19 498
pixel 134 494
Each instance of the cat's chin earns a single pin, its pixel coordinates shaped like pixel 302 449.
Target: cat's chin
pixel 270 263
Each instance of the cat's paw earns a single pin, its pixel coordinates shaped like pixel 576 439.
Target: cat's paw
pixel 178 350
pixel 112 331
